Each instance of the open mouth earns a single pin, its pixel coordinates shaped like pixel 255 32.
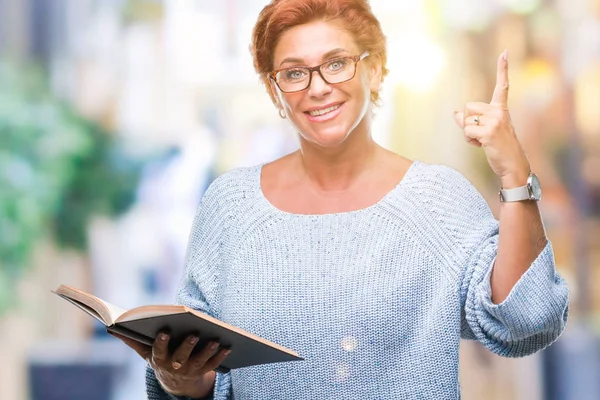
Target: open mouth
pixel 325 113
pixel 316 113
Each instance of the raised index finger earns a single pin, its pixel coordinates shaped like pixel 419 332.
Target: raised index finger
pixel 500 97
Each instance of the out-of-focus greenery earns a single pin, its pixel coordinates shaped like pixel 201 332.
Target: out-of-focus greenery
pixel 56 171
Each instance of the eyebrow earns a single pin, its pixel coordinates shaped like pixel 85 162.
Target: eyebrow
pixel 327 55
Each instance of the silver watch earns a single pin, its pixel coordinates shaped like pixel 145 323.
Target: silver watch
pixel 531 191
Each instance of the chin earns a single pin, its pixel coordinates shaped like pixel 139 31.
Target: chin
pixel 327 138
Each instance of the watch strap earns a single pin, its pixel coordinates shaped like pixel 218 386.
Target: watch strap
pixel 516 194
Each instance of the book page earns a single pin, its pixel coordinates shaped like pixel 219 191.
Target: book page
pixel 149 312
pixel 106 312
pixel 115 311
pixel 85 308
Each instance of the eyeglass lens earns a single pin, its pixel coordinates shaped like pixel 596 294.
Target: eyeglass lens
pixel 333 71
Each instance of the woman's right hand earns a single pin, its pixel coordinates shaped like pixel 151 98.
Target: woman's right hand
pixel 177 373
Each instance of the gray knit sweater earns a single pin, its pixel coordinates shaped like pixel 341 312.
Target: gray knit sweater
pixel 375 300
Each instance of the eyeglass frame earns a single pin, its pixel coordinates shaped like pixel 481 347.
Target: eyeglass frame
pixel 317 68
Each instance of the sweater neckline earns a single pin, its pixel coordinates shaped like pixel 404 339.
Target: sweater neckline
pixel 372 207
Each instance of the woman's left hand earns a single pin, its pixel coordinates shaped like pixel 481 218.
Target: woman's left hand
pixel 489 126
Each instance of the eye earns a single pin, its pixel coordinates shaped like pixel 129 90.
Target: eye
pixel 294 74
pixel 336 65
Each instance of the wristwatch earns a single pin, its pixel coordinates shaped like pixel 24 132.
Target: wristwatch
pixel 531 191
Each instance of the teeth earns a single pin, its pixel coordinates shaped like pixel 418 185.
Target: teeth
pixel 323 111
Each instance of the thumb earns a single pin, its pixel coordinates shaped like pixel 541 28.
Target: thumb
pixel 459 119
pixel 143 350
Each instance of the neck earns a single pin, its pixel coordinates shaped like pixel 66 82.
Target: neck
pixel 338 168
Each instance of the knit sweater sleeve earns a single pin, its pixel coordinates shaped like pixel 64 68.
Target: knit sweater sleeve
pixel 535 312
pixel 198 286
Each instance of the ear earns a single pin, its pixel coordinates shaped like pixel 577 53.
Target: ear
pixel 376 73
pixel 275 94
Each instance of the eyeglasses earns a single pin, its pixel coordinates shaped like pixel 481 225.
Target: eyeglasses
pixel 337 70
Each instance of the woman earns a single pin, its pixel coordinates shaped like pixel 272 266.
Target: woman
pixel 369 265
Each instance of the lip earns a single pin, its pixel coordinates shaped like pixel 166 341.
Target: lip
pixel 327 117
pixel 324 106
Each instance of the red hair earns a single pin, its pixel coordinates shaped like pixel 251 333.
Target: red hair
pixel 279 16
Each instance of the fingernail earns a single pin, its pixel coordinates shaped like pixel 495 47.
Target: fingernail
pixel 505 55
pixel 455 112
pixel 163 336
pixel 194 340
pixel 228 352
pixel 213 345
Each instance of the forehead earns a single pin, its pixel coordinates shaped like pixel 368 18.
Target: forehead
pixel 309 42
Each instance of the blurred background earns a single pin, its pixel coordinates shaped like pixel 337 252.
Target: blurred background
pixel 115 115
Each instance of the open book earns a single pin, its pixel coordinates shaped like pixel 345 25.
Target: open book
pixel 144 323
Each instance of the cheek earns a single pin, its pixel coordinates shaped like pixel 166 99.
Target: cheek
pixel 360 94
pixel 290 101
pixel 367 84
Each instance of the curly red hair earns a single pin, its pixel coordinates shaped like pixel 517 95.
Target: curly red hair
pixel 279 16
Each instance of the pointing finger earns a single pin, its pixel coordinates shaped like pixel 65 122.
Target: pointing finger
pixel 500 97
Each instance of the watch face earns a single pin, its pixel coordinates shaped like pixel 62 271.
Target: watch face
pixel 534 187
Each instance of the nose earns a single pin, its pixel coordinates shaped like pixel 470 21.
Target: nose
pixel 318 87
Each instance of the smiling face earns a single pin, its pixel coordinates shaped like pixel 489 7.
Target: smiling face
pixel 325 114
